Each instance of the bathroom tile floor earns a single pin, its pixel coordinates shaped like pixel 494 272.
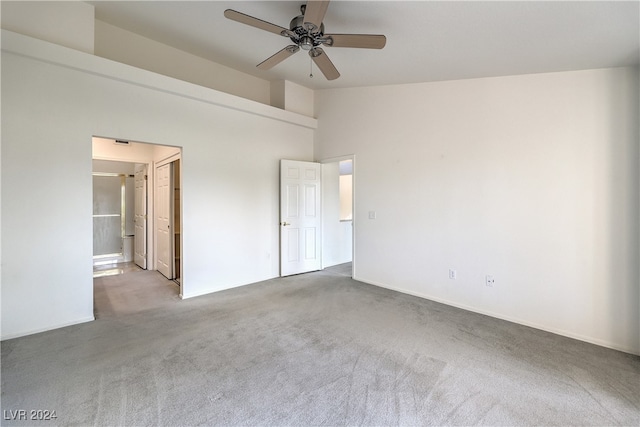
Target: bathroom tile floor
pixel 114 269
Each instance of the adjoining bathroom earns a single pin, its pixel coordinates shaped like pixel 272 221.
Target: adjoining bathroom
pixel 126 279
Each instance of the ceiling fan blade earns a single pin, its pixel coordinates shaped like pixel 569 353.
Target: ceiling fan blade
pixel 255 22
pixel 324 63
pixel 277 58
pixel 365 41
pixel 314 14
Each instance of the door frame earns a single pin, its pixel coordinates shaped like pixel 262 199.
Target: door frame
pixel 338 159
pixel 132 154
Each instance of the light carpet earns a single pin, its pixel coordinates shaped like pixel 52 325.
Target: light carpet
pixel 313 349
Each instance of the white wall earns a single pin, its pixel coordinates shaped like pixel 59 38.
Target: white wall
pixel 533 179
pixel 67 23
pixel 129 48
pixel 73 24
pixel 54 100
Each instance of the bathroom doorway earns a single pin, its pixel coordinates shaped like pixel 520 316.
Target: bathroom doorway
pixel 127 204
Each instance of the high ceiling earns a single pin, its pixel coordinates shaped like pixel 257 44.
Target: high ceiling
pixel 426 40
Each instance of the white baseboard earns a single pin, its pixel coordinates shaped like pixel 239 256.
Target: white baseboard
pixel 199 294
pixel 227 287
pixel 48 328
pixel 591 340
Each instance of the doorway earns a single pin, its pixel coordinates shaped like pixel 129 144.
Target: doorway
pixel 316 216
pixel 143 160
pixel 338 214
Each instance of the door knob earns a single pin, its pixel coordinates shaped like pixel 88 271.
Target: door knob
pixel 284 224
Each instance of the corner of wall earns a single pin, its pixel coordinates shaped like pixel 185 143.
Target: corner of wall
pixel 292 97
pixel 299 99
pixel 278 94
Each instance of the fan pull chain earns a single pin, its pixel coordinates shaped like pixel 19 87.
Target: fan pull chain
pixel 310 68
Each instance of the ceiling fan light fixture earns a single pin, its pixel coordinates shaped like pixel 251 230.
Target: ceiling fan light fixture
pixel 306 43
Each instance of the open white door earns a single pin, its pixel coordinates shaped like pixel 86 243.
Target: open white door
pixel 163 222
pixel 300 217
pixel 140 216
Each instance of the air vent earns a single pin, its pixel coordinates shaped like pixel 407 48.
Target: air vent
pixel 122 142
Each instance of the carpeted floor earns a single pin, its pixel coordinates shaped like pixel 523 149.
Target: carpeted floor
pixel 132 293
pixel 314 349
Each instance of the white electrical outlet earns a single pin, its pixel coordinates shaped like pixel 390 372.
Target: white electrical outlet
pixel 452 274
pixel 489 280
pixel 372 215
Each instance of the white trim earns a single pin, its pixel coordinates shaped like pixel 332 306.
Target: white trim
pixel 48 328
pixel 561 332
pixel 80 61
pixel 199 294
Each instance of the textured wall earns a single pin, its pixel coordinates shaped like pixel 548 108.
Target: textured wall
pixel 532 179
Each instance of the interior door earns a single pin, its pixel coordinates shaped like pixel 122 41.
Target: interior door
pixel 300 217
pixel 163 220
pixel 140 216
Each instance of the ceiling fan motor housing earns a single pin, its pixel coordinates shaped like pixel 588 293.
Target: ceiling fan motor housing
pixel 306 39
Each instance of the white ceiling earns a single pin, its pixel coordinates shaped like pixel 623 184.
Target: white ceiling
pixel 426 40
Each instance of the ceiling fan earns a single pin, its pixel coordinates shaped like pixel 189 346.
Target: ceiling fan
pixel 307 32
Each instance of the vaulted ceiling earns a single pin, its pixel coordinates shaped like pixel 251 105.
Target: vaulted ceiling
pixel 426 40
